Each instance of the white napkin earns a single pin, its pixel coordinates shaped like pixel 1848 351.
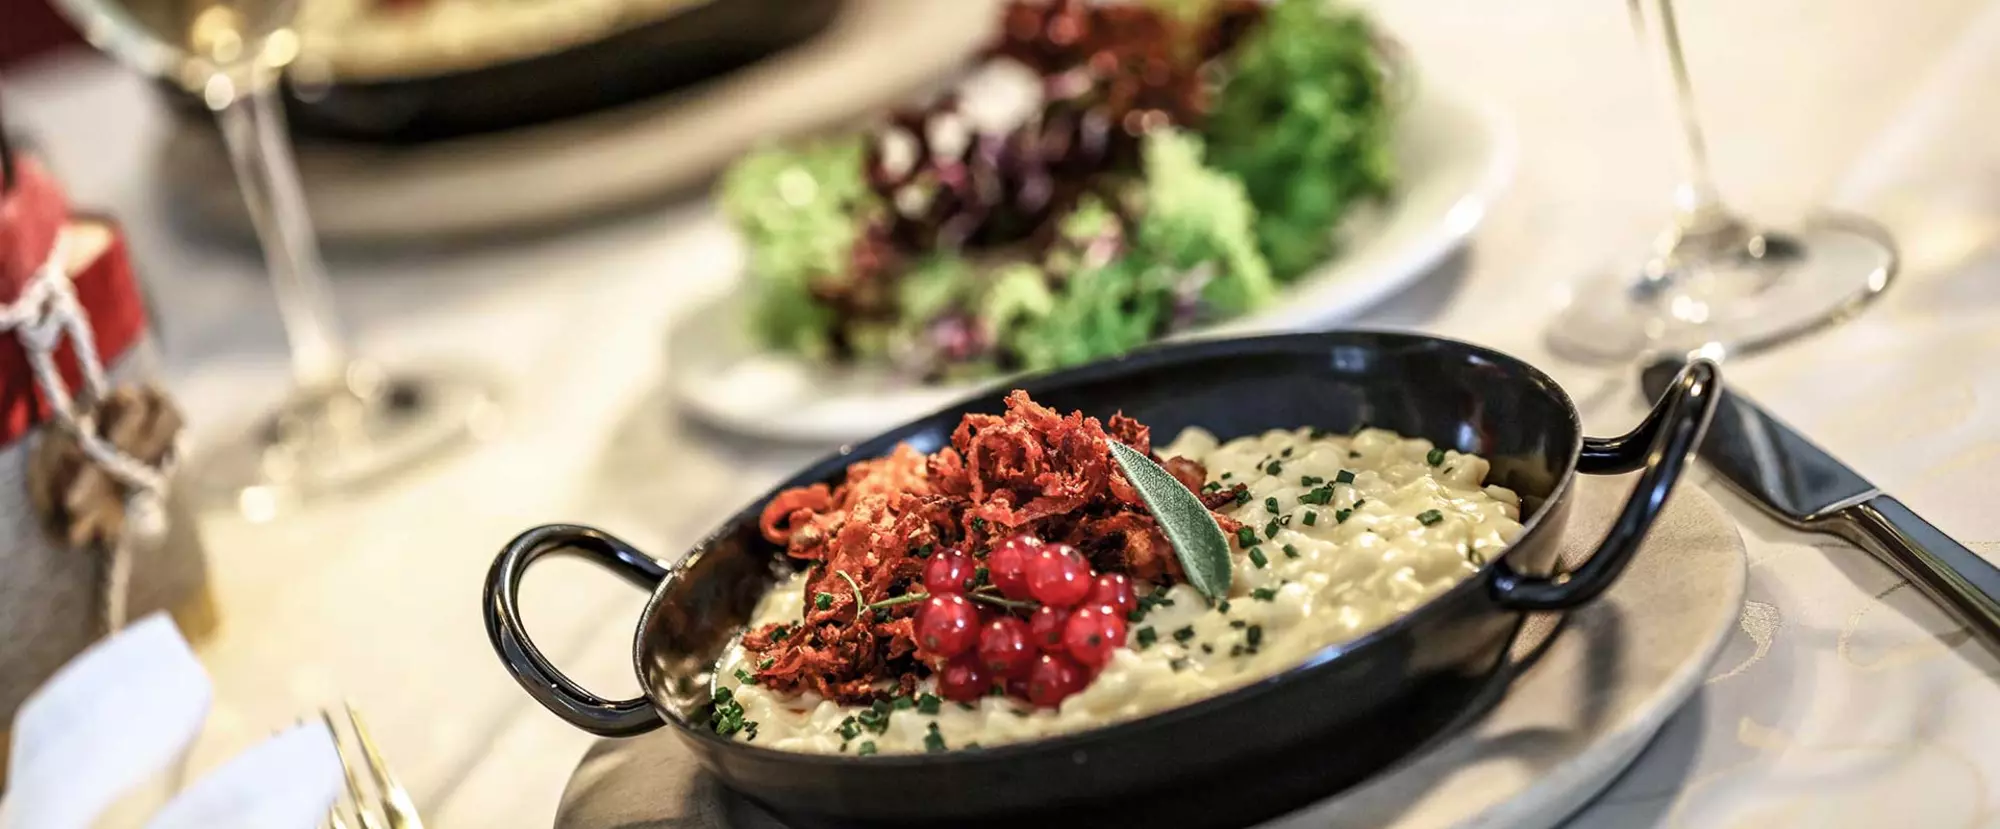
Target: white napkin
pixel 288 780
pixel 121 714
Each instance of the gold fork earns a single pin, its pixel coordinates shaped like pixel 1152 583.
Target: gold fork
pixel 384 803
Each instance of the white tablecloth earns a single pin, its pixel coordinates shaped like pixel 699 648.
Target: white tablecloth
pixel 1845 700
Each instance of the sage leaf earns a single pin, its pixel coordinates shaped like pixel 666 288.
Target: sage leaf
pixel 1197 540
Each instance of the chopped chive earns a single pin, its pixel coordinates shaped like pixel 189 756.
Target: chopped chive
pixel 933 741
pixel 1353 454
pixel 928 703
pixel 1359 501
pixel 903 704
pixel 925 551
pixel 1227 475
pixel 1448 469
pixel 1318 496
pixel 745 677
pixel 1145 637
pixel 1235 650
pixel 1211 486
pixel 1290 551
pixel 1287 453
pixel 1275 468
pixel 1311 518
pixel 980 575
pixel 1435 457
pixel 849 728
pixel 1254 636
pixel 1340 516
pixel 1318 433
pixel 867 748
pixel 779 633
pixel 967 706
pixel 979 525
pixel 1246 536
pixel 823 601
pixel 1429 517
pixel 1311 480
pixel 1242 496
pixel 1271 529
pixel 1178 663
pixel 1223 606
pixel 1345 477
pixel 1264 594
pixel 767 663
pixel 1206 648
pixel 1237 623
pixel 1184 634
pixel 1257 557
pixel 1271 504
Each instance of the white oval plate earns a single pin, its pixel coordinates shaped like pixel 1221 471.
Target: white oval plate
pixel 591 164
pixel 1455 157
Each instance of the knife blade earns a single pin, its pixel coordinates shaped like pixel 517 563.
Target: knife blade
pixel 1796 482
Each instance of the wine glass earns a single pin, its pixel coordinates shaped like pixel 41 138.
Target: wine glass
pixel 1715 282
pixel 346 422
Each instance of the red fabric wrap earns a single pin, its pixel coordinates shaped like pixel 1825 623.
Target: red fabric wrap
pixel 30 215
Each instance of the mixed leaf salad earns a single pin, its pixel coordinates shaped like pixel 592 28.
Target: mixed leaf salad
pixel 1164 165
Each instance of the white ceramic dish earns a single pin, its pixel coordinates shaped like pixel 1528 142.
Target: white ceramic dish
pixel 561 171
pixel 1576 717
pixel 1455 156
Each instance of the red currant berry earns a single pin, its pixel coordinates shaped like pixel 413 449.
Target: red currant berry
pixel 1054 679
pixel 1058 576
pixel 947 626
pixel 1007 565
pixel 1045 628
pixel 1017 687
pixel 948 572
pixel 1112 590
pixel 1004 647
pixel 963 679
pixel 1091 635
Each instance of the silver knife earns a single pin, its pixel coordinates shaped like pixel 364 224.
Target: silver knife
pixel 1801 485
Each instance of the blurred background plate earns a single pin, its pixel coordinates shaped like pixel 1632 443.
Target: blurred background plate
pixel 564 170
pixel 1454 155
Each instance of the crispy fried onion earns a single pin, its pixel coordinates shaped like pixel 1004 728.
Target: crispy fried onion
pixel 1030 471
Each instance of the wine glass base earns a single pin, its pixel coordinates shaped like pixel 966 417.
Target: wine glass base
pixel 1728 300
pixel 343 437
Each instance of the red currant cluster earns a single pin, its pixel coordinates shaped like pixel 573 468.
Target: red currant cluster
pixel 1054 626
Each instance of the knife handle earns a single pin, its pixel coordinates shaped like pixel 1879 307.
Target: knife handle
pixel 1943 569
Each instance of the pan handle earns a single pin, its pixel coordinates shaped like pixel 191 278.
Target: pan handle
pixel 1663 444
pixel 556 692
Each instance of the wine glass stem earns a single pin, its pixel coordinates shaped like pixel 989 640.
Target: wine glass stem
pixel 253 126
pixel 1697 203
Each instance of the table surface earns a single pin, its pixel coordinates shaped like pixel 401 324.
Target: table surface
pixel 1843 695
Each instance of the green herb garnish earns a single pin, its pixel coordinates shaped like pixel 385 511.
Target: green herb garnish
pixel 1264 594
pixel 1184 634
pixel 1271 529
pixel 933 741
pixel 867 748
pixel 928 703
pixel 823 601
pixel 1311 518
pixel 1274 468
pixel 1257 557
pixel 1145 637
pixel 1429 517
pixel 1271 504
pixel 1435 457
pixel 1345 477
